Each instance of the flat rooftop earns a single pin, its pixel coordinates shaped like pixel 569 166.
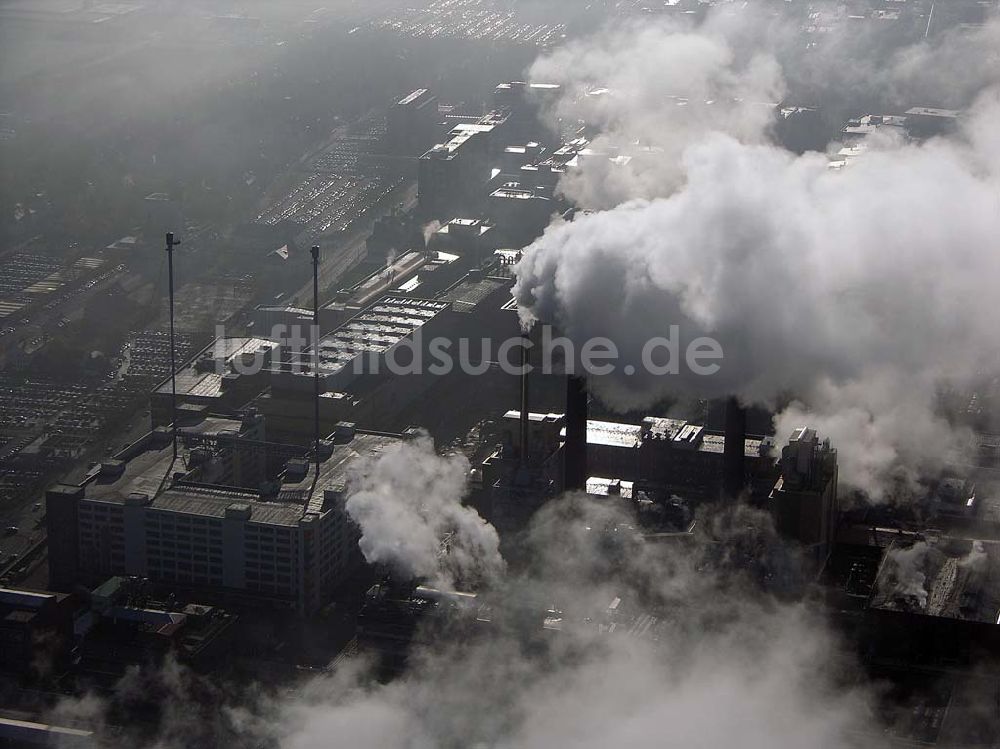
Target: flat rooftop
pixel 605 487
pixel 146 472
pixel 458 137
pixel 612 434
pixel 413 96
pixel 369 288
pixel 376 329
pixel 944 577
pixel 753 447
pixel 466 295
pixel 933 112
pixel 680 434
pixel 202 377
pixel 150 473
pixel 507 192
pixel 283 308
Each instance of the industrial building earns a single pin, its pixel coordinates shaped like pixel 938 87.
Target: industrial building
pixel 208 522
pixel 418 273
pixel 212 380
pixel 125 624
pixel 411 122
pixel 376 367
pixel 453 176
pixel 32 621
pixel 673 453
pixel 804 499
pixel 520 212
pixel 934 604
pixel 395 617
pixel 527 103
pixel 662 457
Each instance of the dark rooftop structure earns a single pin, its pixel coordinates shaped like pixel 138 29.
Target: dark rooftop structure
pixel 950 578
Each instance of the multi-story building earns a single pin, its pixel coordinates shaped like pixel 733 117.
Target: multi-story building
pixel 527 105
pixel 187 524
pixel 671 453
pixel 213 379
pixel 34 625
pixel 664 457
pixel 804 499
pixel 453 176
pixel 411 123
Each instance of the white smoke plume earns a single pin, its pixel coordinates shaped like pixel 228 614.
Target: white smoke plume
pixel 700 84
pixel 721 664
pixel 977 560
pixel 698 652
pixel 429 230
pixel 408 502
pixel 886 444
pixel 167 706
pixel 858 292
pixel 909 577
pixel 949 70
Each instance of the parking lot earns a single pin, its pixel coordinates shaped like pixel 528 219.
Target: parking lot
pixel 469 19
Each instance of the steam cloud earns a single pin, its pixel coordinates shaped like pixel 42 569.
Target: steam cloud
pixel 698 651
pixel 408 503
pixel 651 119
pixel 908 571
pixel 726 666
pixel 858 292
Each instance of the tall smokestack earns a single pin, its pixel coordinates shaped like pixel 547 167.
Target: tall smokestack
pixel 575 465
pixel 316 353
pixel 525 411
pixel 733 475
pixel 171 243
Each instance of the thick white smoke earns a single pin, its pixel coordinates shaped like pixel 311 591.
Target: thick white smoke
pixel 633 694
pixel 408 502
pixel 714 664
pixel 949 70
pixel 645 644
pixel 858 291
pixel 907 568
pixel 886 429
pixel 650 91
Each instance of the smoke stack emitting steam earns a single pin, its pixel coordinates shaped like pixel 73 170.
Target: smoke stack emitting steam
pixel 813 282
pixel 856 291
pixel 524 422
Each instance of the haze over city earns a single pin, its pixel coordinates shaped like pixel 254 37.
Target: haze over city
pixel 499 373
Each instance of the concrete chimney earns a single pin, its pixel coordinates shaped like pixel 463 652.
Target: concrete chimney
pixel 733 471
pixel 525 410
pixel 575 450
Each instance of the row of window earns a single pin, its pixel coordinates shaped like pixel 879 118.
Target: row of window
pixel 154 538
pixel 158 565
pixel 184 577
pixel 265 577
pixel 172 554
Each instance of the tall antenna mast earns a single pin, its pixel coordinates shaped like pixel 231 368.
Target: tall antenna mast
pixel 171 243
pixel 316 352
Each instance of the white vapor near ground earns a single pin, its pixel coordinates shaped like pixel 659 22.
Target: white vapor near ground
pixel 856 292
pixel 726 664
pixel 698 652
pixel 408 500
